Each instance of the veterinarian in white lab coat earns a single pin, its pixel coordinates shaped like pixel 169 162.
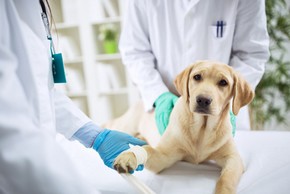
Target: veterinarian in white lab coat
pixel 32 111
pixel 160 38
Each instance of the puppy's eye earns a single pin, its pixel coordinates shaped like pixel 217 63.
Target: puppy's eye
pixel 197 77
pixel 223 82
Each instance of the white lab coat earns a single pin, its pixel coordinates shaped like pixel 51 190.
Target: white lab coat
pixel 160 38
pixel 31 111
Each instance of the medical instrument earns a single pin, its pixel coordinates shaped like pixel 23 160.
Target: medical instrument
pixel 58 71
pixel 141 157
pixel 140 186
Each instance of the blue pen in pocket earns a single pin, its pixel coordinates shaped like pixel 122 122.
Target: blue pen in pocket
pixel 222 28
pixel 220 24
pixel 217 28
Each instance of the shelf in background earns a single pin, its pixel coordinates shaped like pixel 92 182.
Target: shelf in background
pixel 73 61
pixel 107 20
pixel 114 92
pixel 76 35
pixel 105 57
pixel 61 26
pixel 76 94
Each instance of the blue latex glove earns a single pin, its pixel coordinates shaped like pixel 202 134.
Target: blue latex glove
pixel 163 108
pixel 109 144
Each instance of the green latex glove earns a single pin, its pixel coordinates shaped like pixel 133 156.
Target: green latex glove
pixel 163 108
pixel 233 122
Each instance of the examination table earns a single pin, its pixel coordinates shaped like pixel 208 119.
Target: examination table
pixel 266 157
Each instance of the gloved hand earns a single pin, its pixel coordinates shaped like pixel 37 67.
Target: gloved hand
pixel 233 122
pixel 109 144
pixel 163 108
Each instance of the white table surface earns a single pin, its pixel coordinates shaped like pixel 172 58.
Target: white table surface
pixel 266 157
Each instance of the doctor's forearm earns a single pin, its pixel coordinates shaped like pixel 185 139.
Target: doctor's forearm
pixel 137 54
pixel 87 134
pixel 148 81
pixel 251 70
pixel 69 118
pixel 250 49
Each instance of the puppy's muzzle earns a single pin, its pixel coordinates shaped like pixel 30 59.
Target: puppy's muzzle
pixel 203 104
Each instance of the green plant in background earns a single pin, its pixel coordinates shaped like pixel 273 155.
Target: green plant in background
pixel 108 33
pixel 272 100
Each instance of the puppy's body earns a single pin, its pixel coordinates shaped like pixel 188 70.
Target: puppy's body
pixel 199 128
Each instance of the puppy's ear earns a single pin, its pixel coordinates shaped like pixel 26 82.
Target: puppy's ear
pixel 181 82
pixel 242 93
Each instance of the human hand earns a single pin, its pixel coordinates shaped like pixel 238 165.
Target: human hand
pixel 163 108
pixel 233 123
pixel 109 144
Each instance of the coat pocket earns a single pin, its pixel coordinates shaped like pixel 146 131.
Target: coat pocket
pixel 220 42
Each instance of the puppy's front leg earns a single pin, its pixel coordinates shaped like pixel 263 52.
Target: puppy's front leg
pixel 162 157
pixel 232 170
pixel 159 158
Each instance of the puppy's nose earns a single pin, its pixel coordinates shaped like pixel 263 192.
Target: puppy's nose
pixel 203 101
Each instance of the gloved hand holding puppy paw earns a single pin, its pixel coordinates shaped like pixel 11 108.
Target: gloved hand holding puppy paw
pixel 108 143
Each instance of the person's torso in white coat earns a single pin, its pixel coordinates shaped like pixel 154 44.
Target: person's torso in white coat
pixel 31 111
pixel 160 38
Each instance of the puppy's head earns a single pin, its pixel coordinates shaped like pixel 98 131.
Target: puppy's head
pixel 208 87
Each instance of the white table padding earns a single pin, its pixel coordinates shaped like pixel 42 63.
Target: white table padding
pixel 266 157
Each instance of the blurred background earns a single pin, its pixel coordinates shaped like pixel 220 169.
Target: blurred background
pixel 87 33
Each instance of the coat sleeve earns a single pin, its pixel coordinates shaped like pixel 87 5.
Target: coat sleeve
pixel 250 49
pixel 137 54
pixel 30 159
pixel 69 118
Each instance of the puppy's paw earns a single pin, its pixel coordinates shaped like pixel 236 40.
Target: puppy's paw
pixel 126 162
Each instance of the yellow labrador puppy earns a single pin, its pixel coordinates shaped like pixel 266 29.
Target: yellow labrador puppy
pixel 199 128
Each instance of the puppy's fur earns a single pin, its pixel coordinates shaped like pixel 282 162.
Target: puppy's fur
pixel 199 128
